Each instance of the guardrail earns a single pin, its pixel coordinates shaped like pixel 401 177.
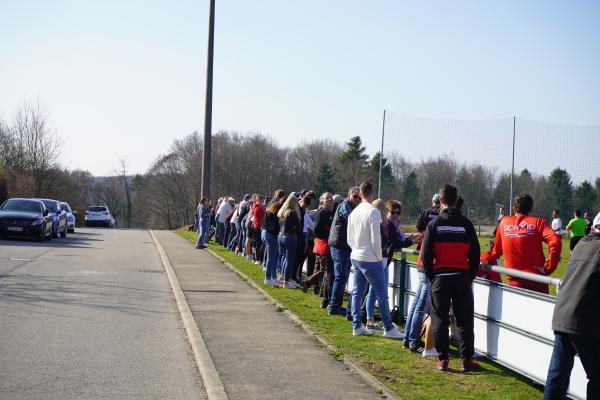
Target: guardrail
pixel 511 272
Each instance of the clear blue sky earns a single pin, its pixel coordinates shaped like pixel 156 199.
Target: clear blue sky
pixel 123 79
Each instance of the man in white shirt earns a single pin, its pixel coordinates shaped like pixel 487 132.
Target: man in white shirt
pixel 557 223
pixel 222 213
pixel 364 238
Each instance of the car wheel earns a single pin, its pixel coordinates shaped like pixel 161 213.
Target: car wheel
pixel 71 230
pixel 63 234
pixel 42 236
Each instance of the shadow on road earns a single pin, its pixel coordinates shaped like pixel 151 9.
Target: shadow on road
pixel 36 292
pixel 73 240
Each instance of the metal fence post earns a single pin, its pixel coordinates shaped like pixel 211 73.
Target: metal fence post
pixel 402 284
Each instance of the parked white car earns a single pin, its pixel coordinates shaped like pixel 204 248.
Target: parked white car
pixel 99 216
pixel 70 216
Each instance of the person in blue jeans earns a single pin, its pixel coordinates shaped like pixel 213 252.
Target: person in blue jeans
pixel 414 320
pixel 290 226
pixel 269 235
pixel 575 321
pixel 364 238
pixel 204 217
pixel 340 251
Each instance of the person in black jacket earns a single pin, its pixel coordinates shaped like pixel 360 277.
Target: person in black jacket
pixel 340 252
pixel 323 262
pixel 575 321
pixel 269 233
pixel 290 226
pixel 450 256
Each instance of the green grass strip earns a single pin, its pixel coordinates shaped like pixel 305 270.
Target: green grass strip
pixel 407 374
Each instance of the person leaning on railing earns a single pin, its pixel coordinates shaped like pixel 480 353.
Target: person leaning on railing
pixel 519 239
pixel 575 321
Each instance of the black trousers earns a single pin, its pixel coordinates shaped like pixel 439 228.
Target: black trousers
pixel 452 290
pixel 573 242
pixel 301 253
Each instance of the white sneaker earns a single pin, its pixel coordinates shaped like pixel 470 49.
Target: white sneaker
pixel 430 353
pixel 362 331
pixel 393 334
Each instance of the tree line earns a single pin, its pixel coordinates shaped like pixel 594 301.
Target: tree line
pixel 166 195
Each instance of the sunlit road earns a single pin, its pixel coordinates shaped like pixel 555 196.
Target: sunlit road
pixel 91 316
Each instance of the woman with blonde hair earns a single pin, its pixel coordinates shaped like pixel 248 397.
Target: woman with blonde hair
pixel 290 227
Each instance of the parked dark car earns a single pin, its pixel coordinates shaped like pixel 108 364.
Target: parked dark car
pixel 25 218
pixel 59 221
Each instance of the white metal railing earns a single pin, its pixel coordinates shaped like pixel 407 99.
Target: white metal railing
pixel 549 280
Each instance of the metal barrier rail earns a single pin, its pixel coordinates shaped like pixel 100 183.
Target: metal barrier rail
pixel 549 280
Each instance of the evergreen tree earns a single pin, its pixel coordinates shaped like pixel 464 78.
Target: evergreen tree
pixel 409 195
pixel 387 176
pixel 584 197
pixel 560 192
pixel 325 179
pixel 355 151
pixel 352 168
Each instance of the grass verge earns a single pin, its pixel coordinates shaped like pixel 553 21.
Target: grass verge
pixel 408 375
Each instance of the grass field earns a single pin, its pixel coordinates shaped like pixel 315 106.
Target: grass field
pixel 410 376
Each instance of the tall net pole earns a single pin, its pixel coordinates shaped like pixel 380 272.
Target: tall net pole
pixel 512 170
pixel 381 156
pixel 206 153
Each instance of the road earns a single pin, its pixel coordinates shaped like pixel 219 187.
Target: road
pixel 91 317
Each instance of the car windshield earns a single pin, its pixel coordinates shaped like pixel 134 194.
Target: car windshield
pixel 22 205
pixel 97 209
pixel 51 205
pixel 65 207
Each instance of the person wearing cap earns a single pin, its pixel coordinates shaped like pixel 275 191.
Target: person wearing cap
pixel 340 251
pixel 519 238
pixel 575 321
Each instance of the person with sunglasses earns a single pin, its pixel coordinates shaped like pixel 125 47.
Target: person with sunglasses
pixel 340 251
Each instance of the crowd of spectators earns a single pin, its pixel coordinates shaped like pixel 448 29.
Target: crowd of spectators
pixel 311 244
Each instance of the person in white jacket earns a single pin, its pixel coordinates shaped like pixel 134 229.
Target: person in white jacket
pixel 364 238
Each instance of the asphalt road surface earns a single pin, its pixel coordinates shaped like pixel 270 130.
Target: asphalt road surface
pixel 91 317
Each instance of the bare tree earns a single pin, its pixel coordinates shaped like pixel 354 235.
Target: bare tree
pixel 36 144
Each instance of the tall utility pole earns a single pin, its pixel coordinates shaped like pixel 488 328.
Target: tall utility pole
pixel 206 153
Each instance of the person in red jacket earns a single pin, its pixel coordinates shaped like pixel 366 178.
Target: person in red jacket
pixel 519 238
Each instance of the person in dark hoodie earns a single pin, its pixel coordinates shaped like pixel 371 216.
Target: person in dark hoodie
pixel 450 255
pixel 575 321
pixel 340 251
